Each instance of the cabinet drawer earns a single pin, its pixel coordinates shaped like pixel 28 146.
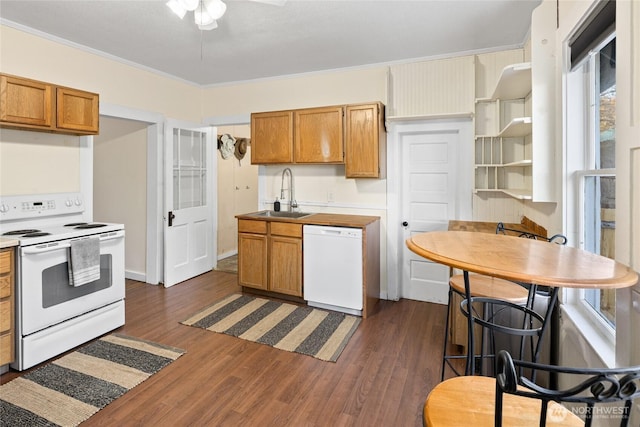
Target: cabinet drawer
pixel 5 316
pixel 249 226
pixel 5 286
pixel 286 229
pixel 5 261
pixel 6 349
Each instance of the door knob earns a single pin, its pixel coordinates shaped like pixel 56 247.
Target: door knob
pixel 405 224
pixel 171 218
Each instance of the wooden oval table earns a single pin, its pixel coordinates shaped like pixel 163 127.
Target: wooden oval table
pixel 523 260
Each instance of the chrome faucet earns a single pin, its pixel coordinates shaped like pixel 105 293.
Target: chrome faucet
pixel 292 197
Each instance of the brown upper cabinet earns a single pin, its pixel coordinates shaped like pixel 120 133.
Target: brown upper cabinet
pixel 319 135
pixel 366 146
pixel 353 135
pixel 39 106
pixel 272 137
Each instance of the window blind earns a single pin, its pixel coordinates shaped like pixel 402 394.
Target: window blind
pixel 600 24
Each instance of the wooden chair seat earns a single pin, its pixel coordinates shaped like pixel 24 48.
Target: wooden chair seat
pixel 490 287
pixel 470 401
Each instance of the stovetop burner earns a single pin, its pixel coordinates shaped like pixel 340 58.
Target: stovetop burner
pixel 29 235
pixel 36 234
pixel 21 232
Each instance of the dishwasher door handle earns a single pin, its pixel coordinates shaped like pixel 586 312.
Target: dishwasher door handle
pixel 332 232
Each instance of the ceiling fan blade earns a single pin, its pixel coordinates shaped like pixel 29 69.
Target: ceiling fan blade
pixel 271 2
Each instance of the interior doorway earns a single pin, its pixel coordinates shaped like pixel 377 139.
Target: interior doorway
pixel 430 181
pixel 237 187
pixel 119 185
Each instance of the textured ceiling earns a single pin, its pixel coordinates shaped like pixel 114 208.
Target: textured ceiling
pixel 255 40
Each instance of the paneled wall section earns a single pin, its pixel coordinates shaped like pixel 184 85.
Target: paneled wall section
pixel 438 87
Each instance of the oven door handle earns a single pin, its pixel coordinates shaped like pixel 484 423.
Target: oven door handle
pixel 112 236
pixel 39 249
pixel 42 249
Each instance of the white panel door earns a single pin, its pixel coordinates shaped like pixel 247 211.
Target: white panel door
pixel 189 245
pixel 429 200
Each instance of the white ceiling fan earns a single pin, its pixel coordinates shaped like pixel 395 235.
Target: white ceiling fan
pixel 207 12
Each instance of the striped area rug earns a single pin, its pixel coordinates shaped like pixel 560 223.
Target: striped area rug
pixel 301 329
pixel 71 389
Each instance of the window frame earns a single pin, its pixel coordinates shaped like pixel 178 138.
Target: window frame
pixel 580 162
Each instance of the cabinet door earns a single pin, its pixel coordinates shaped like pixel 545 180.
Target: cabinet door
pixel 77 110
pixel 318 136
pixel 285 272
pixel 252 260
pixel 25 102
pixel 7 301
pixel 365 142
pixel 272 137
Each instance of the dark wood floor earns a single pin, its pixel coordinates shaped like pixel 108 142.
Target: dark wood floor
pixel 381 379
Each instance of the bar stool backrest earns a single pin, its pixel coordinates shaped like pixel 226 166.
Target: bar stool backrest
pixel 556 238
pixel 595 386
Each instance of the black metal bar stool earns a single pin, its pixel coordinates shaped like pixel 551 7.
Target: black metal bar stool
pixel 483 287
pixel 513 399
pixel 506 296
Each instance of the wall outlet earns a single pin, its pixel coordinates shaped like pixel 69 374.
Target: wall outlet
pixel 330 196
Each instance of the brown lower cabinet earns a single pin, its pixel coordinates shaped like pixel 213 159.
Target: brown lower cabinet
pixel 6 306
pixel 270 256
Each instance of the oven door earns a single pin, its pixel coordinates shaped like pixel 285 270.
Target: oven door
pixel 46 298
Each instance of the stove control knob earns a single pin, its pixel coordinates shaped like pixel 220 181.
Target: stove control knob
pixel 68 203
pixel 78 202
pixel 4 208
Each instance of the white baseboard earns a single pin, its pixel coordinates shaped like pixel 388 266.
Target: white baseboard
pixel 135 275
pixel 227 254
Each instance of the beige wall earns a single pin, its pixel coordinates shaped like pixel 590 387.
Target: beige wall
pixel 119 185
pixel 119 84
pixel 237 191
pixel 331 88
pixel 38 163
pixel 29 56
pixel 312 182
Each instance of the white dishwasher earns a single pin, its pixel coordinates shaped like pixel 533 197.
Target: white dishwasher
pixel 332 265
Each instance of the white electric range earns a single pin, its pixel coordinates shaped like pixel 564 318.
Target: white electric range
pixel 52 316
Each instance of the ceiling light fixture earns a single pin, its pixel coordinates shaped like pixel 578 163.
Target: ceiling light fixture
pixel 205 12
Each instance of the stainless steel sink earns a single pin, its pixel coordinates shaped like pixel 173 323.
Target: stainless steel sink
pixel 283 214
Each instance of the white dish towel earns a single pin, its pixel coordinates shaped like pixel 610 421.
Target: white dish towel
pixel 84 261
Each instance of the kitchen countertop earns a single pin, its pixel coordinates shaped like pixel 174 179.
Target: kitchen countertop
pixel 490 227
pixel 7 242
pixel 338 220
